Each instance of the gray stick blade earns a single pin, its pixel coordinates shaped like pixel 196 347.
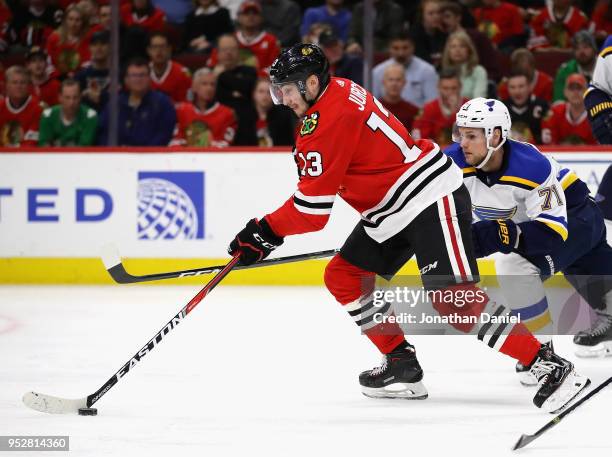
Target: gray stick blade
pixel 53 405
pixel 523 441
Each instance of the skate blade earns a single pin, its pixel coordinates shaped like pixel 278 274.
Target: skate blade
pixel 402 390
pixel 600 350
pixel 573 385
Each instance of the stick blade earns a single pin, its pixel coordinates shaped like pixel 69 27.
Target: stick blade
pixel 523 441
pixel 53 405
pixel 110 256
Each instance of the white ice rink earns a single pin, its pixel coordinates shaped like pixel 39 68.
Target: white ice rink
pixel 265 372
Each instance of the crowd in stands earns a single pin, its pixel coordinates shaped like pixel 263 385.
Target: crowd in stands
pixel 195 72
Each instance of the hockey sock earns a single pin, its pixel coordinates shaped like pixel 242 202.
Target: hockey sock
pixel 514 340
pixel 353 288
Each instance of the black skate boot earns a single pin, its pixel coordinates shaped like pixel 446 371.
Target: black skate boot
pixel 558 381
pixel 524 373
pixel 597 340
pixel 399 376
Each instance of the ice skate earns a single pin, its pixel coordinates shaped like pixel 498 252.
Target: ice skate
pixel 524 373
pixel 558 382
pixel 399 376
pixel 597 340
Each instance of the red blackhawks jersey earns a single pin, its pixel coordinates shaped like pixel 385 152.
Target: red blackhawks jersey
pixel 499 22
pixel 154 22
pixel 434 122
pixel 259 52
pixel 559 128
pixel 67 57
pixel 19 126
pixel 175 82
pixel 47 92
pixel 556 32
pixel 350 146
pixel 214 127
pixel 541 87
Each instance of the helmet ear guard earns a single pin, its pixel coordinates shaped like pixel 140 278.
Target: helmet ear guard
pixel 486 114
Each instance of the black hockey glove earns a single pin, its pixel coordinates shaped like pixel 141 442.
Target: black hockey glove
pixel 495 236
pixel 255 242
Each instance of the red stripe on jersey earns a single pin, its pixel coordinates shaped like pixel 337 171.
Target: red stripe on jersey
pixel 455 244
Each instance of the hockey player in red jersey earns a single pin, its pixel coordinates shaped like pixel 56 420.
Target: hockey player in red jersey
pixel 205 122
pixel 412 202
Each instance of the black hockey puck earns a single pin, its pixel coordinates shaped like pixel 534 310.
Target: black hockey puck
pixel 88 412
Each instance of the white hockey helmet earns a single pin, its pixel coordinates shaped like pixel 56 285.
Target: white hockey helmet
pixel 485 114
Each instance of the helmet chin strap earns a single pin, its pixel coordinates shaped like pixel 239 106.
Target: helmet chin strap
pixel 490 151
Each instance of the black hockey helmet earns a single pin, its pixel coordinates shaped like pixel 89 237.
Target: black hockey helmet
pixel 295 65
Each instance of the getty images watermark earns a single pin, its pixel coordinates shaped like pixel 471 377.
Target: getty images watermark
pixel 410 297
pixel 560 305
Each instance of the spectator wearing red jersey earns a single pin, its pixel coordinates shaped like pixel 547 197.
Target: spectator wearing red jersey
pixel 20 112
pixel 68 46
pixel 393 83
pixel 205 24
pixel 167 76
pixel 602 19
pixel 567 122
pixel 143 13
pixel 460 55
pixel 42 85
pixel 556 24
pixel 33 22
pixel 436 119
pixel 523 61
pixel 205 122
pixel 502 22
pixel 264 46
pixel 258 48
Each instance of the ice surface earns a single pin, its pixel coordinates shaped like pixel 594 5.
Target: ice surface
pixel 261 371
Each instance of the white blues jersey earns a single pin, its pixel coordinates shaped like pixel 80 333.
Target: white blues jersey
pixel 602 75
pixel 529 187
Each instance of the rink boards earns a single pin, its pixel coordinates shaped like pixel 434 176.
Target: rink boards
pixel 167 211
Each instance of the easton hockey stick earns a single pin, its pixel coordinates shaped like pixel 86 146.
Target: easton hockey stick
pixel 114 266
pixel 524 440
pixel 55 405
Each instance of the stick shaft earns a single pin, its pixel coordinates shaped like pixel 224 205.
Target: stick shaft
pixel 121 275
pixel 153 342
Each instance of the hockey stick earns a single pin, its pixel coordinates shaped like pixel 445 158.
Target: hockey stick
pixel 114 266
pixel 524 440
pixel 55 405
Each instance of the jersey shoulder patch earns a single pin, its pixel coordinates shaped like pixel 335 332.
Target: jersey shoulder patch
pixel 527 167
pixel 309 124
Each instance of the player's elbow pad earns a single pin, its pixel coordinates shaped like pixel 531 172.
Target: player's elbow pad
pixel 537 239
pixel 599 109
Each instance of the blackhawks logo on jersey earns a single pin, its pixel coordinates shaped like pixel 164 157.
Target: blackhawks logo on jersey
pixel 309 124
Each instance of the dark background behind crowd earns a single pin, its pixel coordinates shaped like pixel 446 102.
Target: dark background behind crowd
pixel 195 73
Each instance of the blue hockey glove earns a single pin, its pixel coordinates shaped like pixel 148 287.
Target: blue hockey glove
pixel 495 236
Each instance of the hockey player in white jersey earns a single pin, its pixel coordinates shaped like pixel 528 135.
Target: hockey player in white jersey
pixel 538 213
pixel 598 96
